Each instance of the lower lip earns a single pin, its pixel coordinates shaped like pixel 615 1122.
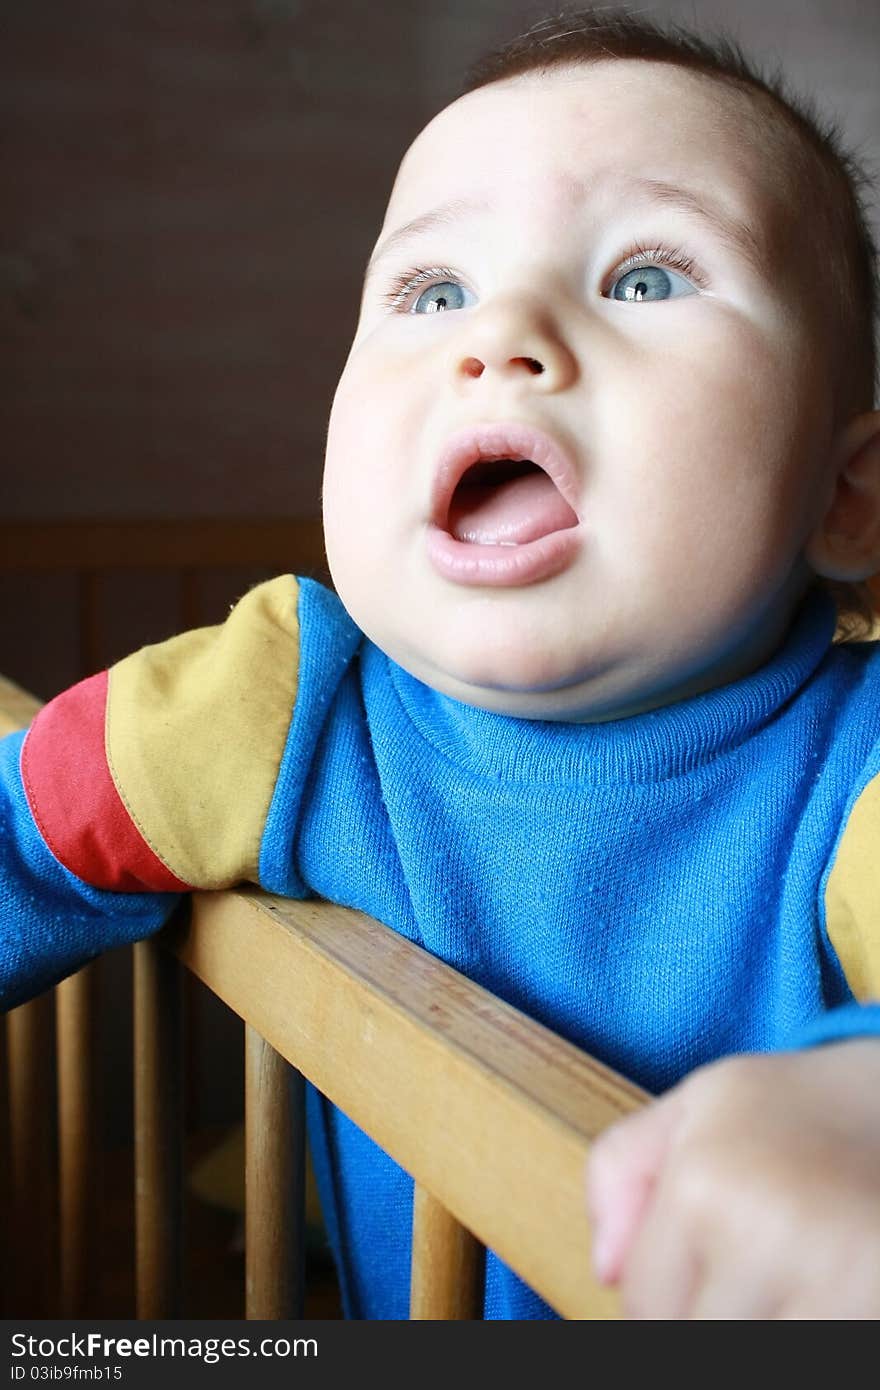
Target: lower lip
pixel 502 566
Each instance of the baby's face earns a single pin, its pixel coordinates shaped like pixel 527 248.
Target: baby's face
pixel 590 275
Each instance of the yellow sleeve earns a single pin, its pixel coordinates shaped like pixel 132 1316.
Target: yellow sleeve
pixel 852 896
pixel 195 733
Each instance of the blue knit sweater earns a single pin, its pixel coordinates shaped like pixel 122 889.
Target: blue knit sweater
pixel 653 889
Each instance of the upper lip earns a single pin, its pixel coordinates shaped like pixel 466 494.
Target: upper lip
pixel 501 440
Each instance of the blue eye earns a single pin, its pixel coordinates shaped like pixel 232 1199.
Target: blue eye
pixel 650 282
pixel 437 299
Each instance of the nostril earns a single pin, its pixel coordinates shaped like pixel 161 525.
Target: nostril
pixel 472 366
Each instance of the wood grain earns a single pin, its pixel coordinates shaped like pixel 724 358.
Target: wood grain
pixel 158 1132
pixel 491 1112
pixel 447 1264
pixel 275 1228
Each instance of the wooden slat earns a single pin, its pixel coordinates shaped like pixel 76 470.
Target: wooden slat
pixel 282 544
pixel 88 584
pixel 447 1263
pixel 17 707
pixel 274 1183
pixel 32 1176
pixel 489 1111
pixel 158 1133
pixel 30 1181
pixel 188 600
pixel 79 1148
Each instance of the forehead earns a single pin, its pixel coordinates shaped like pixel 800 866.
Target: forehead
pixel 556 134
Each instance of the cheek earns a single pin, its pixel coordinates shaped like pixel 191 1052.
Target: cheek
pixel 364 499
pixel 372 400
pixel 341 491
pixel 724 422
pixel 354 458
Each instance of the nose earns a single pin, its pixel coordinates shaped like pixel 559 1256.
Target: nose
pixel 516 338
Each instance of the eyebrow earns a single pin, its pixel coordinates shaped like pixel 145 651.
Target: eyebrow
pixel 738 235
pixel 440 216
pixel 735 233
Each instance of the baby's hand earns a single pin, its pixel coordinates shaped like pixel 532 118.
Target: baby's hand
pixel 751 1190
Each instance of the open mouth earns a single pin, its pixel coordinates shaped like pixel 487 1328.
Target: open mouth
pixel 503 507
pixel 507 502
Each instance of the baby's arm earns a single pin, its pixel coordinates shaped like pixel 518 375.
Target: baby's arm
pixel 52 920
pixel 751 1190
pixel 142 783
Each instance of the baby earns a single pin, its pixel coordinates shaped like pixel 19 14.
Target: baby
pixel 574 721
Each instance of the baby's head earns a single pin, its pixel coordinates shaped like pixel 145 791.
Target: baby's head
pixel 608 410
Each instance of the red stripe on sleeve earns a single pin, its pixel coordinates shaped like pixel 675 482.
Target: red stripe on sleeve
pixel 74 801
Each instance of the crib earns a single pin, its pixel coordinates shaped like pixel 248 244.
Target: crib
pixel 490 1112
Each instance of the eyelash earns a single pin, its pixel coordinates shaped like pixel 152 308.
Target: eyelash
pixel 402 286
pixel 673 256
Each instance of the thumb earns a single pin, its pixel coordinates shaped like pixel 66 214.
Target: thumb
pixel 621 1173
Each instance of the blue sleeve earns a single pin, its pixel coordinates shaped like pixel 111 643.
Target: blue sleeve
pixel 51 922
pixel 328 642
pixel 843 1024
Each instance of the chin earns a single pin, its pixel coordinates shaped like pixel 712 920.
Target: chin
pixel 535 686
pixel 501 669
pixel 526 690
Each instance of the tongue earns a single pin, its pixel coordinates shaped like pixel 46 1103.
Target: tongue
pixel 514 511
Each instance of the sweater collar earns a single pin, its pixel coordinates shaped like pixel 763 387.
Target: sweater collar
pixel 663 743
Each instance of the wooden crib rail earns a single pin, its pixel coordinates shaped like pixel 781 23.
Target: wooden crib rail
pixel 490 1112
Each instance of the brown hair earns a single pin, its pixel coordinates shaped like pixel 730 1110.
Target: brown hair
pixel 838 207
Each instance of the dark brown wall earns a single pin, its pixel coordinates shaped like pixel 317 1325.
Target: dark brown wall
pixel 196 186
pixel 191 190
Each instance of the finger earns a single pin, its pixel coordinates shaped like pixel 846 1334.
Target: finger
pixel 708 1248
pixel 699 1252
pixel 739 1301
pixel 662 1271
pixel 621 1172
pixel 725 1292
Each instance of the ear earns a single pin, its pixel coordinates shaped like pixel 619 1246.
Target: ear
pixel 846 542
